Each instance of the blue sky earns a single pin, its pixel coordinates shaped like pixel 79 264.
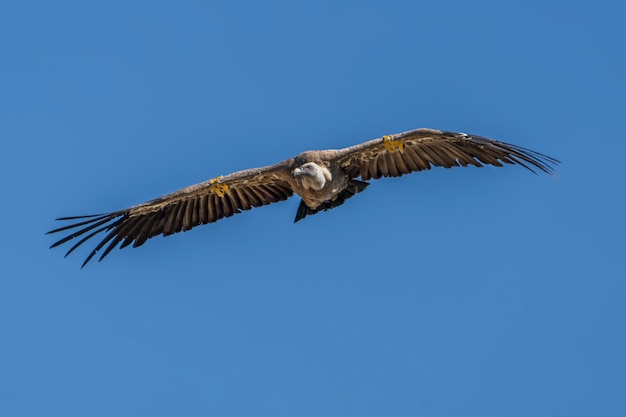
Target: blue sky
pixel 462 292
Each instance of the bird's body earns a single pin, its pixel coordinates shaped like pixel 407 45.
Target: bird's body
pixel 323 179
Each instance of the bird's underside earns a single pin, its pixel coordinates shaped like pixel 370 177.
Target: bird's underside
pixel 323 179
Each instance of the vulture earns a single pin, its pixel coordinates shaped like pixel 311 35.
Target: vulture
pixel 323 179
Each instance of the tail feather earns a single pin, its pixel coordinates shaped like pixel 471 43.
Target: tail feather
pixel 354 187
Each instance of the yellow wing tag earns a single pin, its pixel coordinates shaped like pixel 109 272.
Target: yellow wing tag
pixel 219 189
pixel 392 145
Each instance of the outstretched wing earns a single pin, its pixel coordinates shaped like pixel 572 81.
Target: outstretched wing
pixel 420 149
pixel 181 210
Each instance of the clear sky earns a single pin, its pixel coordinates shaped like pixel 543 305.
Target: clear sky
pixel 461 292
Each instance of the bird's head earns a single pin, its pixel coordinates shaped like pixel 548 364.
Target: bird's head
pixel 312 176
pixel 310 169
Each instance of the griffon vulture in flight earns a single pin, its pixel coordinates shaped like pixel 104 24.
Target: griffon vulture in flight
pixel 323 179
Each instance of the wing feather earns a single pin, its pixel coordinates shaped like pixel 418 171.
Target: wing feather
pixel 119 236
pixel 401 163
pixel 135 226
pixel 202 212
pixel 419 163
pixel 383 165
pixel 252 197
pixel 224 202
pixel 258 194
pixel 80 242
pixel 373 168
pixel 189 212
pixel 424 148
pixel 243 200
pixel 181 210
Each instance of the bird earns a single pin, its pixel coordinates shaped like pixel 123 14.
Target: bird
pixel 323 179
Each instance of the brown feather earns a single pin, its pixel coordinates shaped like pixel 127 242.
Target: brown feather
pixel 244 203
pixel 420 163
pixel 188 215
pixel 203 210
pixel 216 208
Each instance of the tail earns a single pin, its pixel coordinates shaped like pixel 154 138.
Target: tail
pixel 354 187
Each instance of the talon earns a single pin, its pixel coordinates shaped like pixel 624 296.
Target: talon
pixel 219 189
pixel 392 145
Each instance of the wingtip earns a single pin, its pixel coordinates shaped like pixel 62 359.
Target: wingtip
pixel 79 217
